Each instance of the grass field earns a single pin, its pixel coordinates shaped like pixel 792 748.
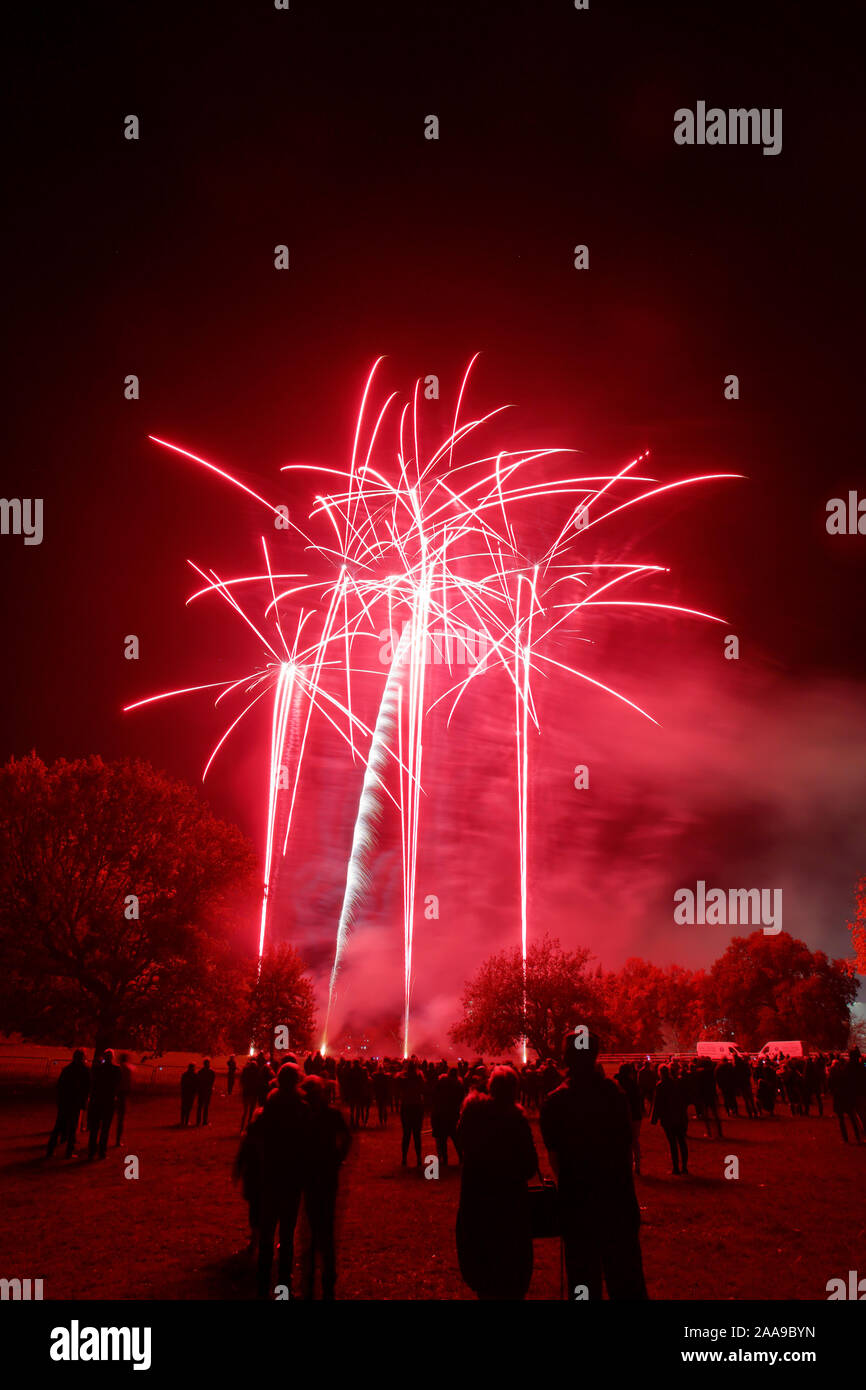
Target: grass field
pixel 795 1218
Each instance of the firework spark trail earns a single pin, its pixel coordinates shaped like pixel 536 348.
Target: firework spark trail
pixel 523 647
pixel 407 500
pixel 291 680
pixel 284 693
pixel 433 533
pixel 368 817
pixel 522 695
pixel 419 645
pixel 423 526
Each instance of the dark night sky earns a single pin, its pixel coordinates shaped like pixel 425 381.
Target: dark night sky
pixel 306 127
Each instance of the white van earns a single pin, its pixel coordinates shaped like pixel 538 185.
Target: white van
pixel 783 1049
pixel 720 1051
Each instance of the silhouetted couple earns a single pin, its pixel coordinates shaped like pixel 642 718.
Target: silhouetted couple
pixel 586 1125
pixel 196 1088
pixel 494 1235
pixel 587 1129
pixel 294 1148
pixel 847 1086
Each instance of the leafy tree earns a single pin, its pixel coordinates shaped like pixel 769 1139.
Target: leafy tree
pixel 117 886
pixel 766 987
pixel 682 1006
pixel 633 1002
pixel 651 1008
pixel 560 993
pixel 857 926
pixel 203 1009
pixel 278 996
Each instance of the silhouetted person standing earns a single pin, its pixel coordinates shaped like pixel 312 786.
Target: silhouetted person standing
pixel 353 1082
pixel 329 1143
pixel 73 1088
pixel 266 1076
pixel 744 1086
pixel 365 1095
pixel 726 1078
pixel 445 1113
pixel 124 1090
pixel 248 1171
pixel 494 1232
pixel 204 1090
pixel 647 1082
pixel 858 1084
pixel 104 1083
pixel 411 1089
pixel 284 1132
pixel 231 1069
pixel 766 1088
pixel 382 1092
pixel 628 1084
pixel 812 1086
pixel 792 1082
pixel 586 1126
pixel 249 1091
pixel 671 1110
pixel 548 1080
pixel 708 1096
pixel 842 1084
pixel 188 1091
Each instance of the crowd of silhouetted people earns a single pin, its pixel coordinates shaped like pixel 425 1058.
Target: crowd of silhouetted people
pixel 91 1098
pixel 296 1139
pixel 478 1116
pixel 298 1118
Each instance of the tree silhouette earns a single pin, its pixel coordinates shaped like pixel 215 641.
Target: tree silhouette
pixel 561 992
pixel 279 996
pixel 857 926
pixel 766 987
pixel 119 893
pixel 651 1008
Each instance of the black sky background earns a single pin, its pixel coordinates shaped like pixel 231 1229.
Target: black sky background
pixel 306 127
